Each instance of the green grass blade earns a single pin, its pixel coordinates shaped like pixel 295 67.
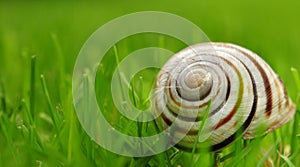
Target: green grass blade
pixel 34 134
pixel 268 154
pixel 32 86
pixel 296 78
pixel 294 141
pixel 228 156
pixel 59 52
pixel 140 161
pixel 86 96
pixel 70 138
pixel 27 113
pixel 49 103
pixel 118 70
pixel 2 98
pixel 140 117
pixel 61 61
pixel 287 160
pixel 5 126
pixel 4 122
pixel 200 130
pixel 133 94
pixel 168 159
pixel 252 146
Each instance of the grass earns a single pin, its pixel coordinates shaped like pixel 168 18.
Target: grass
pixel 39 42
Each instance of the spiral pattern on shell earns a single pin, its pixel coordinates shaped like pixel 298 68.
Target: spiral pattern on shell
pixel 246 96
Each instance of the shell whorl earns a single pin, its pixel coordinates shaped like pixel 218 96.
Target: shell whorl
pixel 245 96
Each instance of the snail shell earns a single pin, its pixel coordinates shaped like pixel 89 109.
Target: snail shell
pixel 246 96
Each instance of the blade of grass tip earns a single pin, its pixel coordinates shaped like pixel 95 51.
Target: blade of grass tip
pixel 296 78
pixel 61 62
pixel 32 86
pixel 294 142
pixel 175 155
pixel 268 154
pixel 49 103
pixel 287 160
pixel 141 89
pixel 59 51
pixel 119 75
pixel 27 113
pixel 25 131
pixel 200 129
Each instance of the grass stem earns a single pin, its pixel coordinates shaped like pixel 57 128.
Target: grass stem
pixel 49 103
pixel 32 86
pixel 200 130
pixel 294 140
pixel 118 70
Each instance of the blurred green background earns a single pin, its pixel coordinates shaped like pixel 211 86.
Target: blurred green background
pixel 269 28
pixel 55 31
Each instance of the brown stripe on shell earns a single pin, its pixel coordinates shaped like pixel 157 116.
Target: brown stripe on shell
pixel 179 104
pixel 179 129
pixel 248 121
pixel 268 90
pixel 206 103
pixel 166 120
pixel 284 90
pixel 268 108
pixel 239 100
pixel 187 119
pixel 286 97
pixel 277 86
pixel 226 97
pixel 231 127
